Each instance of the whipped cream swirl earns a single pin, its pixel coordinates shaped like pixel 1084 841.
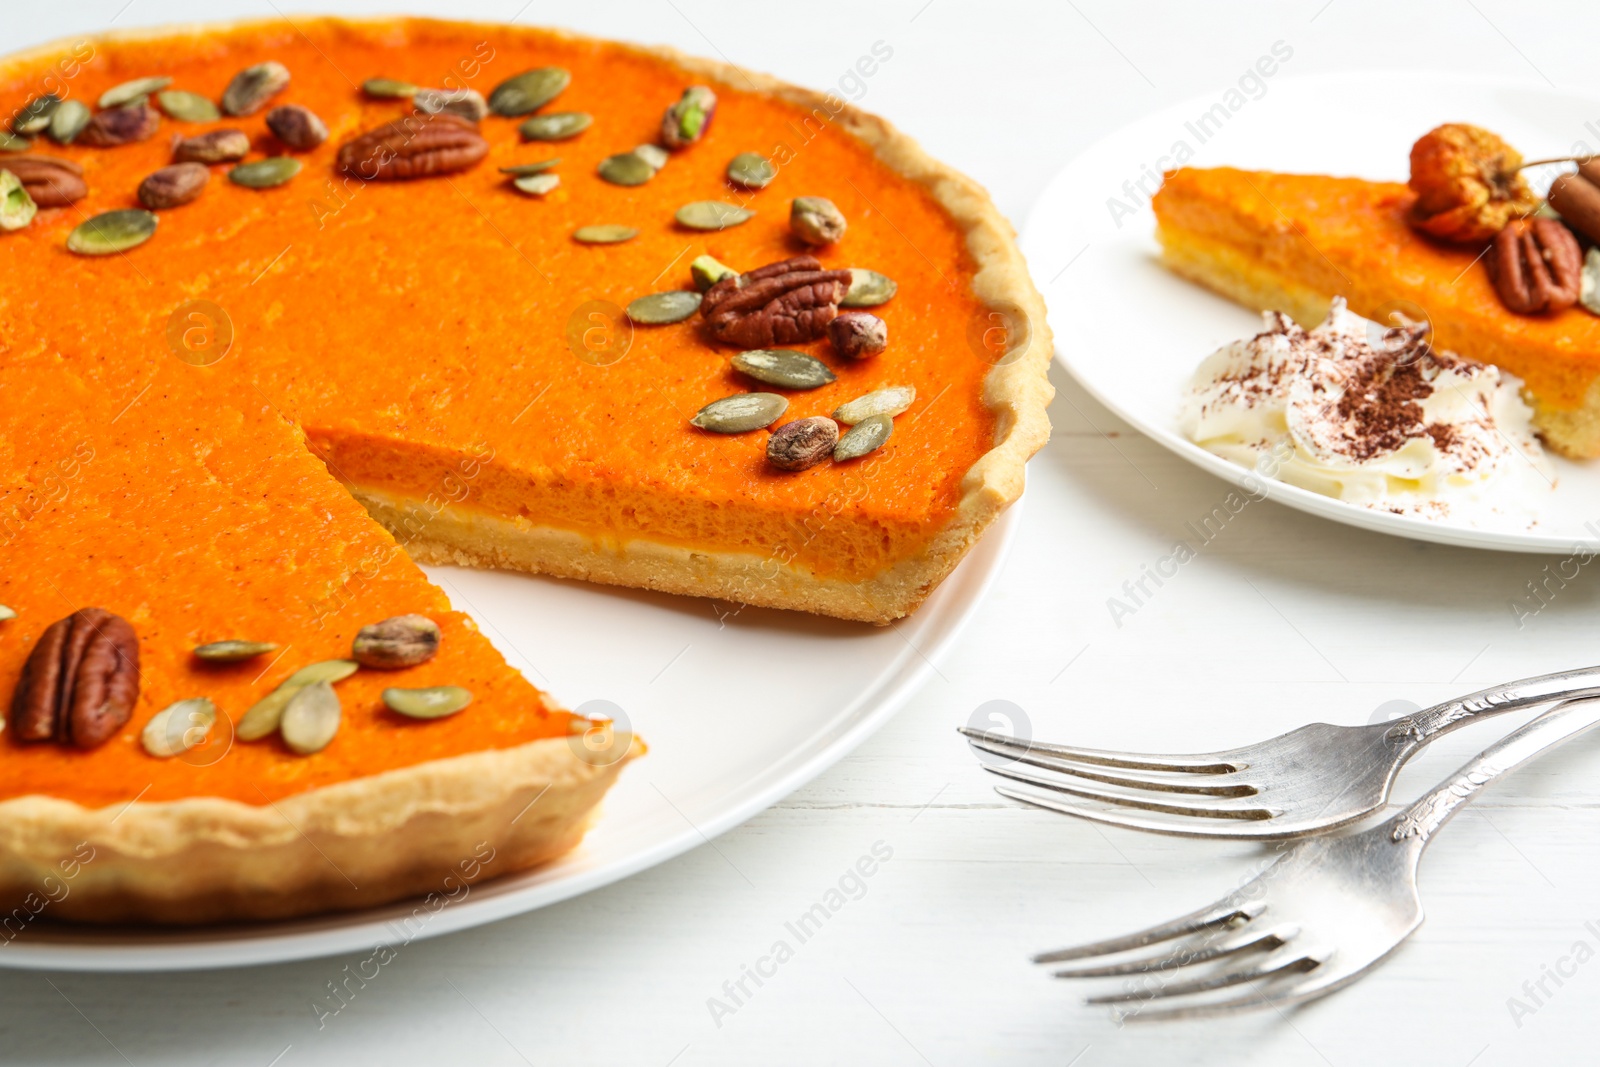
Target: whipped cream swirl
pixel 1373 416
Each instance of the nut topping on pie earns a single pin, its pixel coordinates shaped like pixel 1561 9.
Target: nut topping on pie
pixel 784 303
pixel 80 683
pixel 416 146
pixel 1536 266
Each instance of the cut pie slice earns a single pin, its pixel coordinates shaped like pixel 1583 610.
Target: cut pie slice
pixel 178 499
pixel 1292 242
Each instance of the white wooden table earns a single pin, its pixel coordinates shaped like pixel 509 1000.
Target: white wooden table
pixel 1280 620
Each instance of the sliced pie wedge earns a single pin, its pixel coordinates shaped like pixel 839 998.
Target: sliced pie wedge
pixel 1292 242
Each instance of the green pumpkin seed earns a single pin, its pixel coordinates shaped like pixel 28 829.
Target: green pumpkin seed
pixel 1590 281
pixel 556 126
pixel 132 92
pixel 522 170
pixel 891 401
pixel 659 309
pixel 253 87
pixel 113 231
pixel 10 142
pixel 868 435
pixel 783 367
pixel 537 184
pixel 265 173
pixel 751 170
pixel 328 670
pixel 707 272
pixel 626 168
pixel 741 413
pixel 233 650
pixel 311 720
pixel 187 107
pixel 528 91
pixel 178 727
pixel 652 154
pixel 17 208
pixel 868 289
pixel 712 215
pixel 434 703
pixel 69 120
pixel 35 117
pixel 604 235
pixel 388 88
pixel 6 613
pixel 265 714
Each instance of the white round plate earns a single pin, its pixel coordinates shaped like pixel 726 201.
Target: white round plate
pixel 739 708
pixel 1133 333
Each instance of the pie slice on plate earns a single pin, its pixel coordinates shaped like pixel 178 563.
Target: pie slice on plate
pixel 1292 242
pixel 207 372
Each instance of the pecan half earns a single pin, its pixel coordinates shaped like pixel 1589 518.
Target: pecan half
pixel 1536 266
pixel 80 682
pixel 783 303
pixel 416 146
pixel 121 125
pixel 50 181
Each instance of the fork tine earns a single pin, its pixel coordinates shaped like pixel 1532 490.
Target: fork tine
pixel 1244 829
pixel 1281 965
pixel 1187 954
pixel 1134 800
pixel 1190 784
pixel 1285 959
pixel 1206 763
pixel 1223 912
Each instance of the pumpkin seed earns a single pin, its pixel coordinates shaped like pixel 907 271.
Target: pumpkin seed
pixel 712 215
pixel 1590 281
pixel 179 727
pixel 265 173
pixel 187 107
pixel 311 719
pixel 35 117
pixel 626 168
pixel 652 154
pixel 556 126
pixel 537 184
pixel 69 120
pixel 10 142
pixel 6 613
pixel 868 435
pixel 659 309
pixel 891 401
pixel 17 208
pixel 522 170
pixel 264 715
pixel 253 87
pixel 233 650
pixel 528 91
pixel 783 367
pixel 132 92
pixel 388 88
pixel 751 170
pixel 604 235
pixel 403 641
pixel 741 413
pixel 707 272
pixel 434 703
pixel 113 231
pixel 868 289
pixel 328 670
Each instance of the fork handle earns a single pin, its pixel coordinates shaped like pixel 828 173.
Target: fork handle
pixel 1434 808
pixel 1429 723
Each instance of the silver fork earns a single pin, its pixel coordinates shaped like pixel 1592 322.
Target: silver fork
pixel 1325 912
pixel 1306 781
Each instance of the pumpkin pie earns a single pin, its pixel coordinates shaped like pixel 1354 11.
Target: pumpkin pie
pixel 1292 242
pixel 356 314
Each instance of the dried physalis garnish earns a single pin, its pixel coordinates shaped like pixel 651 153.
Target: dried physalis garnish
pixel 1467 183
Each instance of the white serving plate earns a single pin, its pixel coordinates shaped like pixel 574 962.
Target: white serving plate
pixel 739 709
pixel 1132 333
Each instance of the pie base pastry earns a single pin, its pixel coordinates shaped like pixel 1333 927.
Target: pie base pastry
pixel 1292 242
